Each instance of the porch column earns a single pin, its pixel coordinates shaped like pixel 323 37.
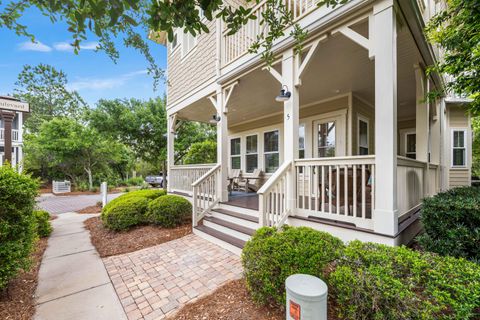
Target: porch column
pixel 7 117
pixel 421 116
pixel 291 122
pixel 170 147
pixel 385 47
pixel 222 146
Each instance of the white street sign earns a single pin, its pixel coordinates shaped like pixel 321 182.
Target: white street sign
pixel 13 105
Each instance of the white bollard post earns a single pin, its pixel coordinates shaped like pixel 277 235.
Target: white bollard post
pixel 306 298
pixel 104 191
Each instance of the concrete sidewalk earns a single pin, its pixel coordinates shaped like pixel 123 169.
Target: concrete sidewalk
pixel 73 282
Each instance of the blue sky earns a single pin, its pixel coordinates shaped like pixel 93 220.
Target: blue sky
pixel 93 74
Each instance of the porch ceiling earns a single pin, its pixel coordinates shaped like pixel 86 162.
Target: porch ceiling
pixel 339 66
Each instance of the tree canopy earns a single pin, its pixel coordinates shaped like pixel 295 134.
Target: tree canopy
pixel 457 30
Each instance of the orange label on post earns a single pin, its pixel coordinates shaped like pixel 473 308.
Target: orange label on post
pixel 294 310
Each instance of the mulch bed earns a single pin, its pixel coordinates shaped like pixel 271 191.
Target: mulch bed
pixel 229 302
pixel 233 302
pixel 17 302
pixel 109 243
pixel 90 209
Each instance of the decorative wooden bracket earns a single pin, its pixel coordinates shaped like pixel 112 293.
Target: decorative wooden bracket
pixel 173 125
pixel 302 65
pixel 227 92
pixel 356 37
pixel 274 73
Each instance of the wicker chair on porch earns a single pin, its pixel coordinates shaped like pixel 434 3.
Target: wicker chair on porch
pixel 233 176
pixel 250 183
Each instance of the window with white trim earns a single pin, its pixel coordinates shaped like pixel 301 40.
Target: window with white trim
pixel 270 151
pixel 411 145
pixel 301 141
pixel 251 153
pixel 235 154
pixel 363 139
pixel 189 42
pixel 174 43
pixel 459 148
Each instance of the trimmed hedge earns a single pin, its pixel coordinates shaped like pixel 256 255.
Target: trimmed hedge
pixel 17 222
pixel 44 228
pixel 373 281
pixel 124 213
pixel 273 255
pixel 146 194
pixel 452 223
pixel 169 211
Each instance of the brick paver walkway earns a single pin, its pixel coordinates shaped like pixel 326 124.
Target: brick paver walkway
pixel 155 282
pixel 63 204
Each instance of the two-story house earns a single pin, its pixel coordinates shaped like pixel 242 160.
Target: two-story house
pixel 351 147
pixel 17 138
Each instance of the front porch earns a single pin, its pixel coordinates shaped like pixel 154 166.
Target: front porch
pixel 355 147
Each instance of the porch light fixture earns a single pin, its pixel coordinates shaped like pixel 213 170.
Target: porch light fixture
pixel 215 119
pixel 284 94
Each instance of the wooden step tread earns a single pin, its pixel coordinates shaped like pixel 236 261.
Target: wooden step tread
pixel 222 236
pixel 230 225
pixel 237 215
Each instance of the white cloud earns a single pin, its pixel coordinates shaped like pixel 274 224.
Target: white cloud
pixel 104 83
pixel 34 46
pixel 65 46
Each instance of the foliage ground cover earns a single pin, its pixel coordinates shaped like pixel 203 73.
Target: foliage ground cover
pixel 452 223
pixel 366 280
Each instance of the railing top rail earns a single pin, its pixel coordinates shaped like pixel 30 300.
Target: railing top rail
pixel 206 175
pixel 271 181
pixel 193 166
pixel 404 161
pixel 370 159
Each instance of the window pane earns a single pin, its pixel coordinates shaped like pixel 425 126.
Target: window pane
pixel 271 162
pixel 326 139
pixel 411 155
pixel 235 162
pixel 235 146
pixel 271 141
pixel 411 143
pixel 363 151
pixel 363 133
pixel 301 154
pixel 252 162
pixel 301 136
pixel 459 139
pixel 458 157
pixel 252 144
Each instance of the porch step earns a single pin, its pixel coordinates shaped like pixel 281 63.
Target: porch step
pixel 230 225
pixel 224 240
pixel 238 215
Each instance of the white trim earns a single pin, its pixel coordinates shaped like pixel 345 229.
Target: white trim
pixel 195 95
pixel 465 147
pixel 362 118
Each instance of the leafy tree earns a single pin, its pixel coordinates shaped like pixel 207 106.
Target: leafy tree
pixel 72 149
pixel 45 88
pixel 201 152
pixel 476 147
pixel 457 30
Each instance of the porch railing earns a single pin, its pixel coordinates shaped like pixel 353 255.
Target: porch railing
pixel 341 189
pixel 15 134
pixel 272 198
pixel 236 45
pixel 411 178
pixel 183 176
pixel 205 193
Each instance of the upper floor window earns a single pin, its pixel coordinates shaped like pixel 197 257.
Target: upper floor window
pixel 459 149
pixel 188 43
pixel 174 44
pixel 235 151
pixel 271 151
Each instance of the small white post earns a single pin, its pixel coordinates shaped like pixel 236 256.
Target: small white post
pixel 104 191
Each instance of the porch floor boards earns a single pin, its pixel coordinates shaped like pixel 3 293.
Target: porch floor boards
pixel 243 200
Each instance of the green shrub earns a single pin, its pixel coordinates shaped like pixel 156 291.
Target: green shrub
pixel 452 223
pixel 124 213
pixel 373 281
pixel 273 255
pixel 137 181
pixel 147 194
pixel 44 228
pixel 169 211
pixel 17 222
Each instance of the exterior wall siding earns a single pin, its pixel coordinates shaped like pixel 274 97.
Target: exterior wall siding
pixel 193 70
pixel 459 119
